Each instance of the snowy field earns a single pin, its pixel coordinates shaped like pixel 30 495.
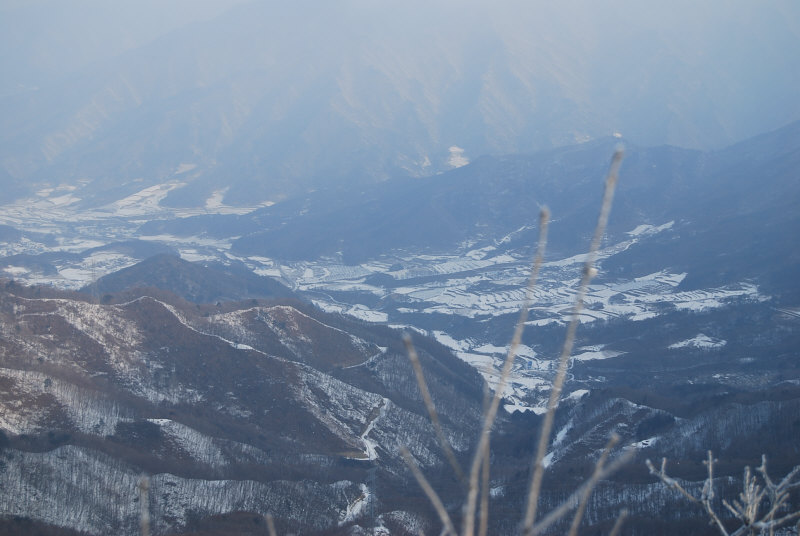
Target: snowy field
pixel 475 283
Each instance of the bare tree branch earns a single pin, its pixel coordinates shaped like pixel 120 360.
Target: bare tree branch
pixel 271 525
pixel 434 415
pixel 598 468
pixel 754 498
pixel 589 271
pixel 623 514
pixel 433 497
pixel 144 506
pixel 559 512
pixel 491 412
pixel 483 525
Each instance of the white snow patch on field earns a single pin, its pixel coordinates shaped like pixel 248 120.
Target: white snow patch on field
pixel 538 410
pixel 184 168
pixel 577 394
pixel 596 354
pixel 527 373
pixel 450 342
pixel 457 158
pixel 645 443
pixel 15 270
pixel 362 312
pixel 700 341
pixel 145 201
pixel 644 230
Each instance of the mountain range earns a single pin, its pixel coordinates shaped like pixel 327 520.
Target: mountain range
pixel 225 381
pixel 265 406
pixel 265 100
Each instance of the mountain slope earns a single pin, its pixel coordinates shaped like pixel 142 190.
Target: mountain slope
pixel 190 281
pixel 232 408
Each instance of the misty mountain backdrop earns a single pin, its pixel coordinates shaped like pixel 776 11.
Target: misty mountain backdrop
pixel 268 99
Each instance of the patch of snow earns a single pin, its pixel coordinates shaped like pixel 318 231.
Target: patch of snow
pixel 356 507
pixel 362 312
pixel 792 312
pixel 15 270
pixel 215 200
pixel 645 443
pixel 63 200
pixel 700 341
pixel 491 349
pixel 192 255
pixel 542 322
pixel 457 158
pixel 577 394
pixel 409 327
pixel 562 434
pixel 145 201
pixel 644 230
pixel 184 168
pixel 370 446
pixel 595 355
pixel 218 244
pixel 538 410
pixel 90 411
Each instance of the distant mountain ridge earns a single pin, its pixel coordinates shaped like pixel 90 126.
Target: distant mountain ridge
pixel 270 100
pixel 730 208
pixel 192 282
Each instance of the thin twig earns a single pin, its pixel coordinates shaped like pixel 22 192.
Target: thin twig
pixel 491 412
pixel 669 481
pixel 776 522
pixel 598 467
pixel 144 506
pixel 554 515
pixel 271 525
pixel 623 514
pixel 589 271
pixel 708 494
pixel 434 415
pixel 444 517
pixel 483 525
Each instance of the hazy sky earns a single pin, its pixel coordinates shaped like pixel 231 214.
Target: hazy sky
pixel 283 93
pixel 42 38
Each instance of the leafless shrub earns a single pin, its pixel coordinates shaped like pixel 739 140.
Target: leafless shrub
pixel 760 508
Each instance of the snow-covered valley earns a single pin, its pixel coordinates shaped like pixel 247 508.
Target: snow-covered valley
pixel 480 283
pixel 214 381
